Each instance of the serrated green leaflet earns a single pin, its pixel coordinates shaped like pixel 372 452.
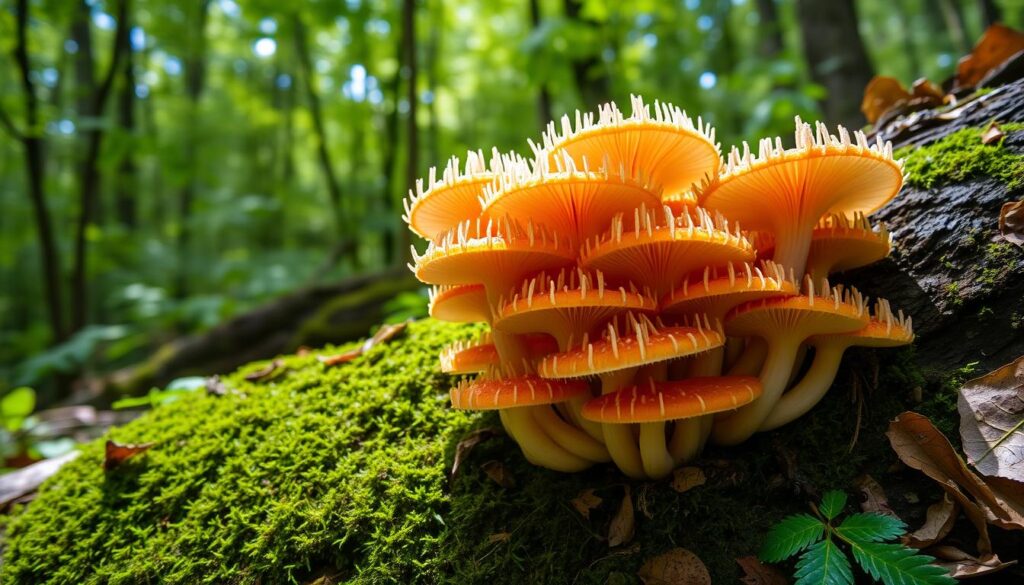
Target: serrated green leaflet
pixel 894 564
pixel 832 503
pixel 790 536
pixel 867 527
pixel 824 564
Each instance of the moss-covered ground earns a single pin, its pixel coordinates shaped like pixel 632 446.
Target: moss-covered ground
pixel 340 474
pixel 962 155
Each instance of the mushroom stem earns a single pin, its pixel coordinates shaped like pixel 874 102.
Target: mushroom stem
pixel 618 438
pixel 812 387
pixel 538 448
pixel 792 247
pixel 733 351
pixel 738 427
pixel 690 434
pixel 654 453
pixel 573 407
pixel 750 362
pixel 569 437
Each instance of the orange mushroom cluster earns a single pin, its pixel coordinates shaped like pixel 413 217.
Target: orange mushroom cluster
pixel 631 318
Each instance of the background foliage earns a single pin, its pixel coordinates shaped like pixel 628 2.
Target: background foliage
pixel 193 159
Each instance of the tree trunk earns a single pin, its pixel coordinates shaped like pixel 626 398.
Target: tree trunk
pixel 125 196
pixel 35 172
pixel 990 12
pixel 589 73
pixel 954 18
pixel 195 81
pixel 543 96
pixel 90 178
pixel 836 57
pixel 411 127
pixel 769 30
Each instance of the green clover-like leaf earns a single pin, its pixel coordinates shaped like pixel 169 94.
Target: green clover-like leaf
pixel 824 564
pixel 832 503
pixel 790 536
pixel 895 564
pixel 871 527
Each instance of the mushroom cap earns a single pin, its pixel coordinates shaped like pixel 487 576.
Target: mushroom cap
pixel 717 291
pixel 823 174
pixel 454 198
pixel 665 401
pixel 576 203
pixel 470 254
pixel 464 303
pixel 464 357
pixel 839 243
pixel 640 342
pixel 834 311
pixel 883 330
pixel 567 305
pixel 658 248
pixel 529 390
pixel 667 146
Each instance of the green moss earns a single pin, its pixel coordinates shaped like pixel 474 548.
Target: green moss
pixel 342 472
pixel 961 156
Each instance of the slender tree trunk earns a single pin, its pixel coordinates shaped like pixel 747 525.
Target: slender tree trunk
pixel 591 77
pixel 769 31
pixel 727 61
pixel 411 128
pixel 90 178
pixel 388 159
pixel 990 12
pixel 835 53
pixel 195 82
pixel 125 196
pixel 543 96
pixel 433 60
pixel 323 153
pixel 35 172
pixel 954 18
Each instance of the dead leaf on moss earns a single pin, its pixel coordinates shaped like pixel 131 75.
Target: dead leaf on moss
pixel 497 472
pixel 340 358
pixel 875 499
pixel 499 537
pixel 623 525
pixel 467 443
pixel 675 567
pixel 385 333
pixel 265 372
pixel 962 565
pixel 685 479
pixel 1011 222
pixel 116 453
pixel 992 421
pixel 757 573
pixel 938 522
pixel 585 502
pixel 882 94
pixel 992 134
pixel 996 45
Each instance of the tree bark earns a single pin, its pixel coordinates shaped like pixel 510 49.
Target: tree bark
pixel 543 96
pixel 590 76
pixel 954 18
pixel 35 172
pixel 195 82
pixel 990 12
pixel 836 57
pixel 411 68
pixel 769 30
pixel 125 195
pixel 90 178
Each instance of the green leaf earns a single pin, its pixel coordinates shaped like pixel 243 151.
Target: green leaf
pixel 870 527
pixel 895 564
pixel 18 403
pixel 832 503
pixel 824 564
pixel 790 536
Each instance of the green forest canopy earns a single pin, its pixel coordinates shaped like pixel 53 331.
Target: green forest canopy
pixel 194 158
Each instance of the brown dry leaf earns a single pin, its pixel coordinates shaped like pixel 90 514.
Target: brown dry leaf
pixel 585 502
pixel 499 537
pixel 623 525
pixel 758 573
pixel 467 443
pixel 875 499
pixel 938 522
pixel 926 91
pixel 385 333
pixel 685 479
pixel 882 94
pixel 1011 222
pixel 992 421
pixel 340 358
pixel 675 567
pixel 964 566
pixel 496 471
pixel 116 453
pixel 992 134
pixel 265 372
pixel 998 44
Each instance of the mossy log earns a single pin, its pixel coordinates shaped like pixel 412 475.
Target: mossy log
pixel 341 474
